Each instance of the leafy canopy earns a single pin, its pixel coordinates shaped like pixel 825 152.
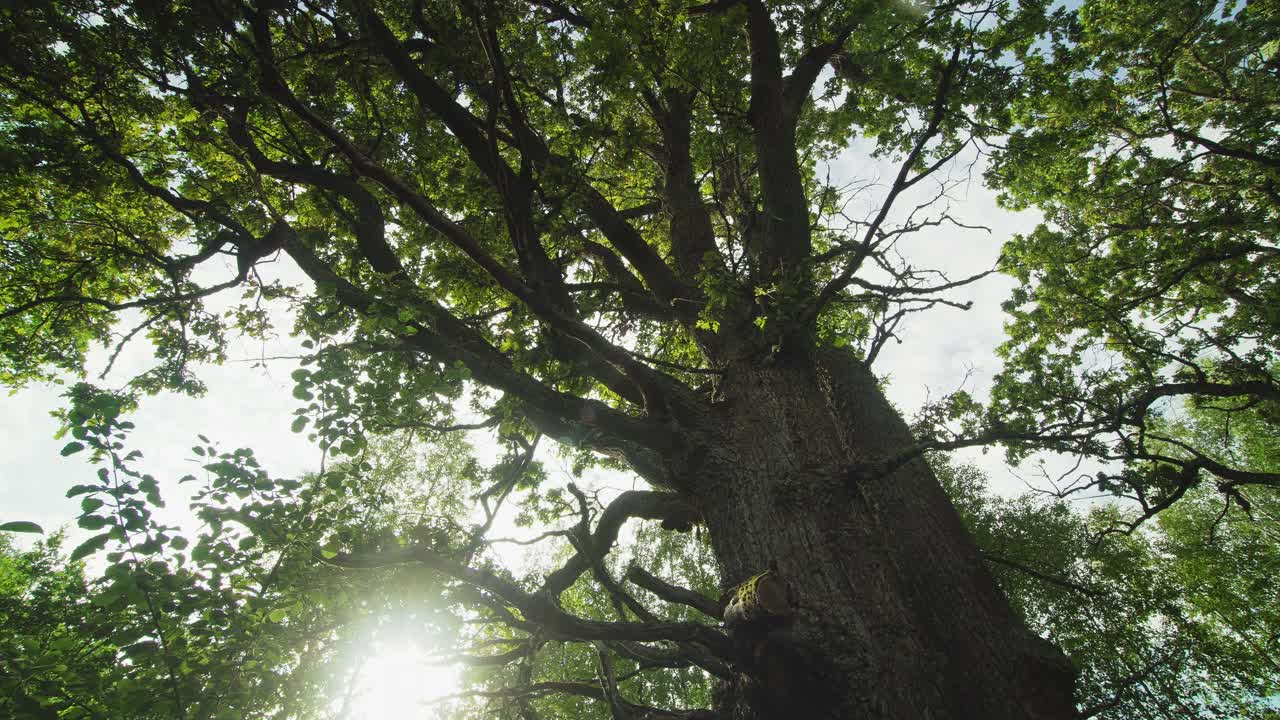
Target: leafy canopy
pixel 1148 137
pixel 570 220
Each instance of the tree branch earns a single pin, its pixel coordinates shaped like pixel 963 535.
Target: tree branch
pixel 692 238
pixel 1052 580
pixel 902 182
pixel 444 337
pixel 674 593
pixel 654 385
pixel 783 238
pixel 540 608
pixel 673 510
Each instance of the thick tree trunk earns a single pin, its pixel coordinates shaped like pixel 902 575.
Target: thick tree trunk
pixel 897 616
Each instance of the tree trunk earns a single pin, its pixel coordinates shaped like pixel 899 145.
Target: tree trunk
pixel 896 615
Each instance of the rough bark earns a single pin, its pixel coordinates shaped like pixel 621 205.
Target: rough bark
pixel 897 616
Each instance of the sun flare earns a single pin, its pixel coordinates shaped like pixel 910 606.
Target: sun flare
pixel 401 681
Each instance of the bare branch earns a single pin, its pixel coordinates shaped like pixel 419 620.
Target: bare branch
pixel 674 593
pixel 903 181
pixel 539 609
pixel 609 684
pixel 1060 582
pixel 673 510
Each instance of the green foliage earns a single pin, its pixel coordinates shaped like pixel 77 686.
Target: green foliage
pixel 231 622
pixel 571 220
pixel 1146 133
pixel 140 148
pixel 1178 619
pixel 22 526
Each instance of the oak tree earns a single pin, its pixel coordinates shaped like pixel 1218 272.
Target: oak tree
pixel 601 223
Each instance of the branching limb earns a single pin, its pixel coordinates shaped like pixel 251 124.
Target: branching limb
pixel 538 609
pixel 497 660
pixel 1250 388
pixel 679 656
pixel 459 120
pixel 784 238
pixel 146 302
pixel 609 684
pixel 798 85
pixel 692 238
pixel 1052 580
pixel 499 490
pixel 469 130
pixel 904 180
pixel 674 511
pixel 674 593
pixel 587 690
pixel 1124 685
pixel 444 337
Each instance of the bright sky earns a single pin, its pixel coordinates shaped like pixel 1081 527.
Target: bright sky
pixel 395 681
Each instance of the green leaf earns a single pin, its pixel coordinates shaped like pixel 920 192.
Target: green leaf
pixel 277 615
pixel 299 424
pixel 93 522
pixel 71 448
pixel 90 546
pixel 22 526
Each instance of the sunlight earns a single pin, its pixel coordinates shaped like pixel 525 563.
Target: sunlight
pixel 401 681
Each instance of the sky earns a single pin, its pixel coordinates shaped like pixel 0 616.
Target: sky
pixel 249 403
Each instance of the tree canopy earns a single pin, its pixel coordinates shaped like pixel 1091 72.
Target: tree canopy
pixel 1148 139
pixel 611 227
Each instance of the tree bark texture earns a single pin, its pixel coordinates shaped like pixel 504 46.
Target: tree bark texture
pixel 896 615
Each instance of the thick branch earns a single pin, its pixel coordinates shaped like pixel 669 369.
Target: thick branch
pixel 609 684
pixel 692 238
pixel 784 235
pixel 463 124
pixel 668 507
pixel 1256 388
pixel 653 384
pixel 798 85
pixel 683 655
